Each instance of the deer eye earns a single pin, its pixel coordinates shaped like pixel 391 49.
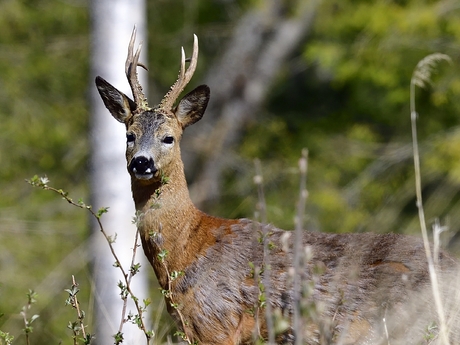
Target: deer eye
pixel 168 140
pixel 130 137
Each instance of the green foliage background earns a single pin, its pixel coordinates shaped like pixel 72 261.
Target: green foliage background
pixel 344 96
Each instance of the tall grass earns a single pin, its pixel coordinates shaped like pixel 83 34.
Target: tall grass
pixel 420 77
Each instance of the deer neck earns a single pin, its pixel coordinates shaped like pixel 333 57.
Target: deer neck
pixel 168 221
pixel 170 191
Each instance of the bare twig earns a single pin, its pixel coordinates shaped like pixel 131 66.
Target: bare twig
pixel 299 223
pixel 132 272
pixel 262 207
pixel 437 230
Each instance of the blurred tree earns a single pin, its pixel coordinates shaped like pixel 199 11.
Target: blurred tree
pixel 110 183
pixel 347 99
pixel 240 79
pixel 43 114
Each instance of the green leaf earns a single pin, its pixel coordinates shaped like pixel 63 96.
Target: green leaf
pixel 118 338
pixel 33 318
pixel 101 211
pixel 162 255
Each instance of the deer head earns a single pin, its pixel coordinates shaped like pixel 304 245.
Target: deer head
pixel 153 134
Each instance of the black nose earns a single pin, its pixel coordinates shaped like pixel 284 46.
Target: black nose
pixel 142 166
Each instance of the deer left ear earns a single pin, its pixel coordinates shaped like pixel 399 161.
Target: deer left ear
pixel 192 106
pixel 119 105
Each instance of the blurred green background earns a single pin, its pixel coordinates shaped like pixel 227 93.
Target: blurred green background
pixel 343 94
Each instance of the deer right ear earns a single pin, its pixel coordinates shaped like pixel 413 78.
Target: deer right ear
pixel 191 108
pixel 119 105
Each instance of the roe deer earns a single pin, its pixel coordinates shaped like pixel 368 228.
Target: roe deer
pixel 207 264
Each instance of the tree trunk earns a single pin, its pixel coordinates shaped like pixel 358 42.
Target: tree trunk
pixel 112 25
pixel 262 42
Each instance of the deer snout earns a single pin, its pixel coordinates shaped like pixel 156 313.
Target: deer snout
pixel 142 167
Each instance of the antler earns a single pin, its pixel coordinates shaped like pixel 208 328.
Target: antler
pixel 132 61
pixel 183 78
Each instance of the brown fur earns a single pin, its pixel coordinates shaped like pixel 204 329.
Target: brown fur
pixel 354 279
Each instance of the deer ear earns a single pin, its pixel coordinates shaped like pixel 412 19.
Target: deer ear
pixel 192 106
pixel 119 105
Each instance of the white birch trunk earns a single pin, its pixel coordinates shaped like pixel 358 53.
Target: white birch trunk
pixel 112 25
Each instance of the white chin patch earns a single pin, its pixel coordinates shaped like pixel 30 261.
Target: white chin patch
pixel 143 176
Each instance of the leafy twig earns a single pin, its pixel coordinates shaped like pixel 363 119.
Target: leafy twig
pixel 134 269
pixel 31 299
pixel 6 338
pixel 169 294
pixel 42 182
pixel 77 326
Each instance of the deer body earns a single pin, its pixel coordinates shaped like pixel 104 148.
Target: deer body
pixel 207 263
pixel 363 274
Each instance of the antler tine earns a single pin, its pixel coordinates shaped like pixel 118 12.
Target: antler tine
pixel 182 64
pixel 132 61
pixel 194 60
pixel 183 78
pixel 129 58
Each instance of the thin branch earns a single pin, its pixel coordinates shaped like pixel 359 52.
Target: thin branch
pixel 131 274
pixel 168 294
pixel 42 182
pixel 266 278
pixel 77 326
pixel 77 307
pixel 297 322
